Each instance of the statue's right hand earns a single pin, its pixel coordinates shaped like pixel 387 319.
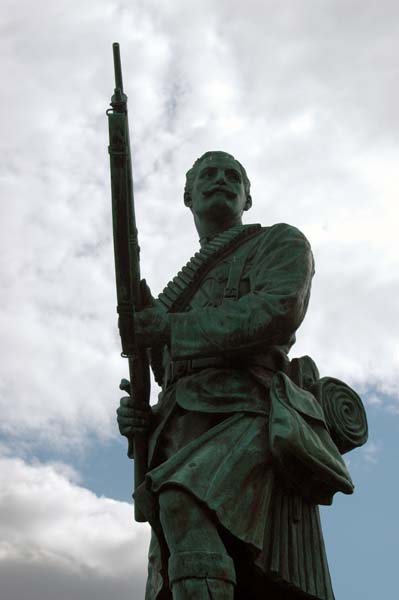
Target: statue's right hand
pixel 131 418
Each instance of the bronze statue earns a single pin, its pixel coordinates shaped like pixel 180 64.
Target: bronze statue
pixel 244 443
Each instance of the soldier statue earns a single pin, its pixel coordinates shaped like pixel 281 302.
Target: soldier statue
pixel 244 442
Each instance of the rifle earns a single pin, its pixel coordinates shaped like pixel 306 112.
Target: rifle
pixel 129 289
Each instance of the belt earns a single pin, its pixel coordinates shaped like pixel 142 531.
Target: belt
pixel 181 368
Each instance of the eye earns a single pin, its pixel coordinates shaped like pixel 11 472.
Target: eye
pixel 208 172
pixel 233 175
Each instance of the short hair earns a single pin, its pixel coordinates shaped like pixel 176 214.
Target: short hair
pixel 191 174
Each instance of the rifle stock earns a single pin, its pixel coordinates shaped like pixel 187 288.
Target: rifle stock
pixel 127 263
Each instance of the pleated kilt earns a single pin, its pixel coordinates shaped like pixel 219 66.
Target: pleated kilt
pixel 229 469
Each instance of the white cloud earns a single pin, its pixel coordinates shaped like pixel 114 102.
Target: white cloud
pixel 374 400
pixel 371 452
pixel 51 529
pixel 304 95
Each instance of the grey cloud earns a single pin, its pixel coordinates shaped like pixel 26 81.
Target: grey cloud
pixel 41 581
pixel 58 535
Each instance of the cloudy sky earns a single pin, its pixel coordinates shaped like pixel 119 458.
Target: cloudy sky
pixel 305 94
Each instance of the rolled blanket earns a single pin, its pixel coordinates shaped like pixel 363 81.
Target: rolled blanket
pixel 344 413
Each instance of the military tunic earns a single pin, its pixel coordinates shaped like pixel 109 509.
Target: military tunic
pixel 211 432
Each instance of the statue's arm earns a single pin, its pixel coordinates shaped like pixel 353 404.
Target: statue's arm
pixel 270 313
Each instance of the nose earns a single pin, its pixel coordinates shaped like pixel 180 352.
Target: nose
pixel 220 178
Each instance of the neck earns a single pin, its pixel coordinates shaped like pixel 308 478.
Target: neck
pixel 208 230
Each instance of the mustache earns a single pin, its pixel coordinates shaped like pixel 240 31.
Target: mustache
pixel 219 188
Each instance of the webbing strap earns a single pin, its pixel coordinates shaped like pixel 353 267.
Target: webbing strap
pixel 233 282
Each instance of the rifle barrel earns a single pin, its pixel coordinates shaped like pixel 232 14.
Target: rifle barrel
pixel 117 67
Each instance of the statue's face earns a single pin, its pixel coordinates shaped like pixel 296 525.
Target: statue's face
pixel 218 189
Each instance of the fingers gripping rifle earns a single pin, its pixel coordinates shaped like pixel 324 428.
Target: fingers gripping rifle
pixel 127 263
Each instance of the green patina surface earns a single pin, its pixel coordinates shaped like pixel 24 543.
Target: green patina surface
pixel 244 443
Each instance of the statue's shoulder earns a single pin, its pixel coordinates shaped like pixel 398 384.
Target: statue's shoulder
pixel 281 233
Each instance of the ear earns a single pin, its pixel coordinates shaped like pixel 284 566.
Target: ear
pixel 248 203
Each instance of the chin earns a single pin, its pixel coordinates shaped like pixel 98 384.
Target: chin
pixel 221 212
pixel 220 206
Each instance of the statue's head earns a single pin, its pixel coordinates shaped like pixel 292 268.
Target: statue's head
pixel 217 183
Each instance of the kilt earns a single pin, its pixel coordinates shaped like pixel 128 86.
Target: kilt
pixel 224 461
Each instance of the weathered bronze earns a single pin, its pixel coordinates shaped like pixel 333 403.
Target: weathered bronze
pixel 244 443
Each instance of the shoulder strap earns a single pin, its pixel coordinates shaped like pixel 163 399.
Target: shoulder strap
pixel 233 282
